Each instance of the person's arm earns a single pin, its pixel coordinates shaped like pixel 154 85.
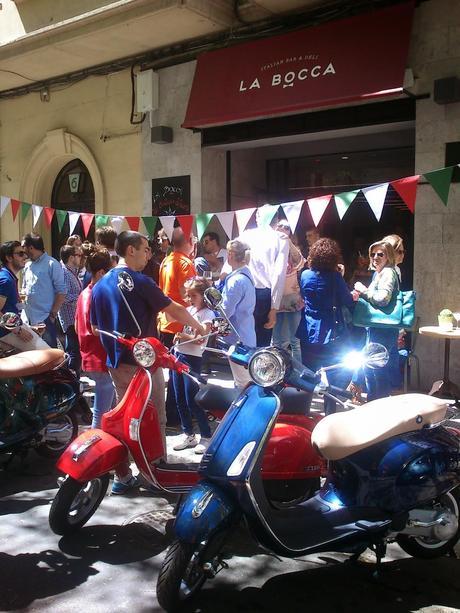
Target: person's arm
pixel 382 293
pixel 60 289
pixel 177 312
pixel 59 300
pixel 344 295
pixel 278 273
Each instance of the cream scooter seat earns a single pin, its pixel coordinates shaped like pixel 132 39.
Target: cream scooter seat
pixel 341 434
pixel 30 363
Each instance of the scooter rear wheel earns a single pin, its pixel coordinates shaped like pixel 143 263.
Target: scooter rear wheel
pixel 59 434
pixel 75 503
pixel 429 549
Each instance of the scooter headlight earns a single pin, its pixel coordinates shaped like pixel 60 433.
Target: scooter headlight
pixel 267 367
pixel 144 354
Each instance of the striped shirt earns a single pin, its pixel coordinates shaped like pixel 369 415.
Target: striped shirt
pixel 68 309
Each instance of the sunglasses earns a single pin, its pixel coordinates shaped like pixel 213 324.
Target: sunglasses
pixel 378 254
pixel 20 253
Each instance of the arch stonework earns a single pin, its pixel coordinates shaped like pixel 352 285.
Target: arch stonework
pixel 57 148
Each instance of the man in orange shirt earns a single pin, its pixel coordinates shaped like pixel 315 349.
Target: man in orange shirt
pixel 175 269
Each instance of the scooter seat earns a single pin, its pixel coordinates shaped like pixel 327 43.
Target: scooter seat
pixel 30 363
pixel 214 398
pixel 342 434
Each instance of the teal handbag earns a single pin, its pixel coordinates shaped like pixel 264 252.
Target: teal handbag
pixel 399 312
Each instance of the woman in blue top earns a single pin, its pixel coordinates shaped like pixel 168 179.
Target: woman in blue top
pixel 238 302
pixel 322 330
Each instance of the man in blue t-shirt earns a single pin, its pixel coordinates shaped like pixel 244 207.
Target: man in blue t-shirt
pixel 109 312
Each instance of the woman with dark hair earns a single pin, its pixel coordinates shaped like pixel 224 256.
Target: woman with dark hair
pixel 322 330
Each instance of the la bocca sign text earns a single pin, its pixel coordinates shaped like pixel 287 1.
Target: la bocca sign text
pixel 288 79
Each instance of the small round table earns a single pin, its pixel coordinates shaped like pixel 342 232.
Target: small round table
pixel 444 387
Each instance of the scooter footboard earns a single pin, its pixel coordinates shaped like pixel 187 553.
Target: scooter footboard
pixel 91 455
pixel 206 510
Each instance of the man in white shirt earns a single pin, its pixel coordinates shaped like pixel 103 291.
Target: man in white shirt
pixel 268 265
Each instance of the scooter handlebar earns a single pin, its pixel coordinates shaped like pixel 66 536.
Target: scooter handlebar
pixel 338 392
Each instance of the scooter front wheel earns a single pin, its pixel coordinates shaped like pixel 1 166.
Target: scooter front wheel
pixel 75 502
pixel 183 572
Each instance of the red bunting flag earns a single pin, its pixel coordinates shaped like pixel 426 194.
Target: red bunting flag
pixel 186 223
pixel 15 204
pixel 407 189
pixel 86 220
pixel 133 223
pixel 48 213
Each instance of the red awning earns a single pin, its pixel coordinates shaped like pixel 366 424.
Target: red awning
pixel 334 63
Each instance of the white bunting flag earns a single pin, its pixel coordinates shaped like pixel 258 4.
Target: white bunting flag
pixel 242 218
pixel 317 207
pixel 167 221
pixel 36 212
pixel 4 202
pixel 375 195
pixel 116 222
pixel 226 221
pixel 73 220
pixel 292 211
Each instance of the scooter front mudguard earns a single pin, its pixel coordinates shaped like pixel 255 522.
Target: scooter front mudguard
pixel 92 454
pixel 206 510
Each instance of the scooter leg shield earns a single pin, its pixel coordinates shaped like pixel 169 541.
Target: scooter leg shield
pixel 206 510
pixel 92 454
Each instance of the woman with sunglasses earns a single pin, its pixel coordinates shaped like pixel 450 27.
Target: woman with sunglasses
pixel 384 285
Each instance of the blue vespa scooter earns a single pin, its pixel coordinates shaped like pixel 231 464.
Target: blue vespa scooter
pixel 394 468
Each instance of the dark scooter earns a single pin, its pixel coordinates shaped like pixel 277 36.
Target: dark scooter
pixel 394 471
pixel 38 399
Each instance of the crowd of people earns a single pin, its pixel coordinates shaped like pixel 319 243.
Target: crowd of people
pixel 273 291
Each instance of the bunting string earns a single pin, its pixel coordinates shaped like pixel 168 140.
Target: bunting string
pixel 375 195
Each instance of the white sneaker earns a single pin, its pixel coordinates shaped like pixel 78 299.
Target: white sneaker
pixel 203 446
pixel 188 442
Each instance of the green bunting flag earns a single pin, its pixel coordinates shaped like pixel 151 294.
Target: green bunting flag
pixel 61 217
pixel 202 222
pixel 25 208
pixel 440 181
pixel 150 224
pixel 344 200
pixel 102 220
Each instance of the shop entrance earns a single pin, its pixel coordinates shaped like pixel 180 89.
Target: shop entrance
pixel 72 191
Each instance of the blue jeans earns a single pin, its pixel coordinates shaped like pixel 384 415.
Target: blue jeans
pixel 378 380
pixel 104 396
pixel 50 334
pixel 315 356
pixel 284 332
pixel 72 348
pixel 185 390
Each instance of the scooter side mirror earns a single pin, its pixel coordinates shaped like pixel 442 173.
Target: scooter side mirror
pixel 375 355
pixel 10 321
pixel 212 297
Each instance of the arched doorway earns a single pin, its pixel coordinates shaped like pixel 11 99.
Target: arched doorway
pixel 73 190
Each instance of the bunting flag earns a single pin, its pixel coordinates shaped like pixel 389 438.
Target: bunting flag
pixel 150 224
pixel 15 204
pixel 407 189
pixel 226 221
pixel 116 221
pixel 4 202
pixel 102 220
pixel 25 208
pixel 48 213
pixel 167 221
pixel 186 223
pixel 36 212
pixel 242 218
pixel 375 196
pixel 73 220
pixel 133 223
pixel 86 221
pixel 292 211
pixel 318 206
pixel 343 201
pixel 440 181
pixel 61 216
pixel 265 214
pixel 202 222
